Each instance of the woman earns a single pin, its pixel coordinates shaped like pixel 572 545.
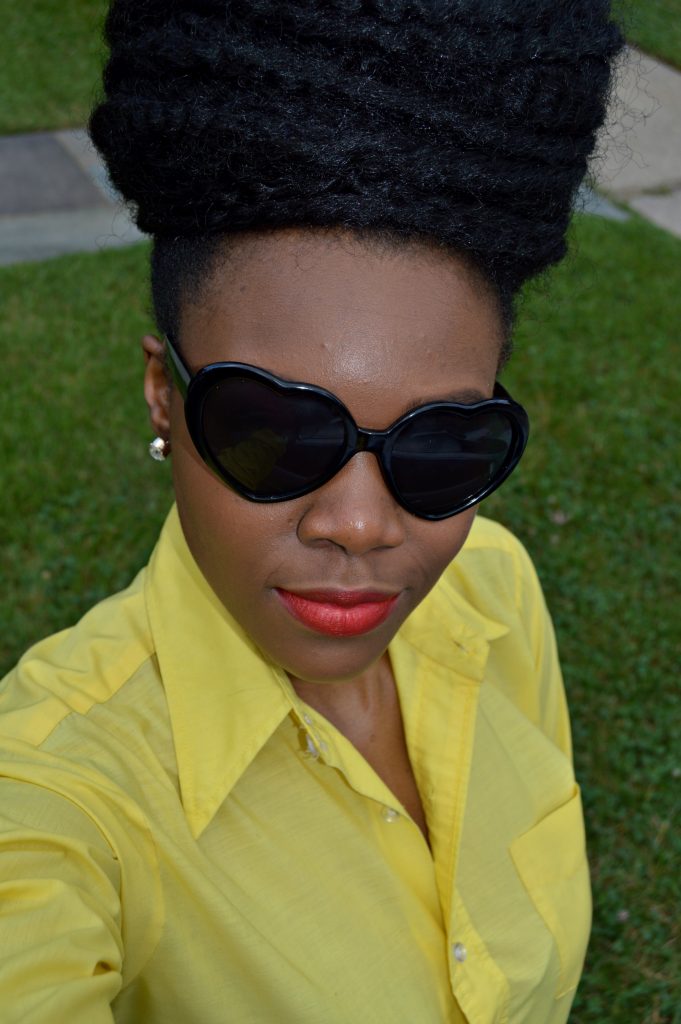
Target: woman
pixel 314 764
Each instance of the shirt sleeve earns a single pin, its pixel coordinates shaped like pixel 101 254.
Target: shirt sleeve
pixel 60 941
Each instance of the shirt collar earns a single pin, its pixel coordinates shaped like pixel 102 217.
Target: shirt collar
pixel 226 699
pixel 449 630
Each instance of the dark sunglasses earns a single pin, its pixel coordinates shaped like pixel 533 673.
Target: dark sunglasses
pixel 273 440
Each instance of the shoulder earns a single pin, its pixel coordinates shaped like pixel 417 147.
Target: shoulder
pixel 69 677
pixel 84 758
pixel 84 738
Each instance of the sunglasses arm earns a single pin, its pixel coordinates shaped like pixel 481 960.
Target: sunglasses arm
pixel 178 368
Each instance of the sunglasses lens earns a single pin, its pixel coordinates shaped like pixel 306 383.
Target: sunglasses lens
pixel 271 444
pixel 442 460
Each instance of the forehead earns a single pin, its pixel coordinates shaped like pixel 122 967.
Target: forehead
pixel 351 316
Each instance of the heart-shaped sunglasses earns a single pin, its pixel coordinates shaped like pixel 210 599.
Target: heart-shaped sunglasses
pixel 274 440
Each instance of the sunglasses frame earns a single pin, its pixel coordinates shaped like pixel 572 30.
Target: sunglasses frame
pixel 194 387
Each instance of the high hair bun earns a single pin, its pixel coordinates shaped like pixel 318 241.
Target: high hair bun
pixel 469 122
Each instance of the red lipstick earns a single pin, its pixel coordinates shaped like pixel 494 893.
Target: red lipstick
pixel 339 612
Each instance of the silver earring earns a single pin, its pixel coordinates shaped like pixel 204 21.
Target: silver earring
pixel 159 449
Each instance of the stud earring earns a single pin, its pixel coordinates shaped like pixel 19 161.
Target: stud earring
pixel 159 449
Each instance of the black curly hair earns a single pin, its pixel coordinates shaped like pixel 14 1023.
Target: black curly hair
pixel 466 124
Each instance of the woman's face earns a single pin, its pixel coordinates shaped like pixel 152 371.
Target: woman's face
pixel 384 330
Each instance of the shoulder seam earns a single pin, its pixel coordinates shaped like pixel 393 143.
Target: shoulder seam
pixel 95 703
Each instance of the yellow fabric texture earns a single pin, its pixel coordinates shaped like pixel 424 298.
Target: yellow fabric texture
pixel 183 840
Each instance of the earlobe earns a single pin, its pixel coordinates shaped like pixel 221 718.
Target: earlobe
pixel 157 387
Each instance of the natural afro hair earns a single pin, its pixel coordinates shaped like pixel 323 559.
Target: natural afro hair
pixel 467 123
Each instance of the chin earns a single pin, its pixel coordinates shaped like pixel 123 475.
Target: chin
pixel 330 660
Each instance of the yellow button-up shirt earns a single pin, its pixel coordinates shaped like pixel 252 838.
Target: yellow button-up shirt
pixel 183 840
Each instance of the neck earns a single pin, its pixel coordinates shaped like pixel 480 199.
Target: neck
pixel 353 705
pixel 367 711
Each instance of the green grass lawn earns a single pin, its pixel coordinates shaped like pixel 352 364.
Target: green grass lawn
pixel 79 506
pixel 50 69
pixel 52 53
pixel 655 27
pixel 596 500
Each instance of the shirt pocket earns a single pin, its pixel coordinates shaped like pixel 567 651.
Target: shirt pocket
pixel 551 861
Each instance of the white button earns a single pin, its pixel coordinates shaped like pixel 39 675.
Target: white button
pixel 389 814
pixel 311 748
pixel 460 952
pixel 307 720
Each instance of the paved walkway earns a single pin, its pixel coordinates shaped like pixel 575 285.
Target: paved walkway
pixel 640 152
pixel 55 197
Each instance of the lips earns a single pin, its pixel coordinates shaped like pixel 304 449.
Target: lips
pixel 339 612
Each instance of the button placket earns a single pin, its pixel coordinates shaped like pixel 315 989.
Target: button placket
pixel 314 745
pixel 312 750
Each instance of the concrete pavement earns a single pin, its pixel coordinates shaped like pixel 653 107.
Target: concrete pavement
pixel 55 196
pixel 639 160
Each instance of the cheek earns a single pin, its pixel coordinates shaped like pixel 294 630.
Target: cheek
pixel 215 520
pixel 235 543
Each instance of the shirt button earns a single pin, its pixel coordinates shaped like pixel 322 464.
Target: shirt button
pixel 311 748
pixel 307 720
pixel 460 952
pixel 389 814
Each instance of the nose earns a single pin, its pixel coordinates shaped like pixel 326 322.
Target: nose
pixel 354 510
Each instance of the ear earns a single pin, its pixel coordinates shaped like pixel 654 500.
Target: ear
pixel 157 387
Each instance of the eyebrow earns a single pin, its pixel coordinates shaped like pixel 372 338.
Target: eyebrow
pixel 464 396
pixel 183 374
